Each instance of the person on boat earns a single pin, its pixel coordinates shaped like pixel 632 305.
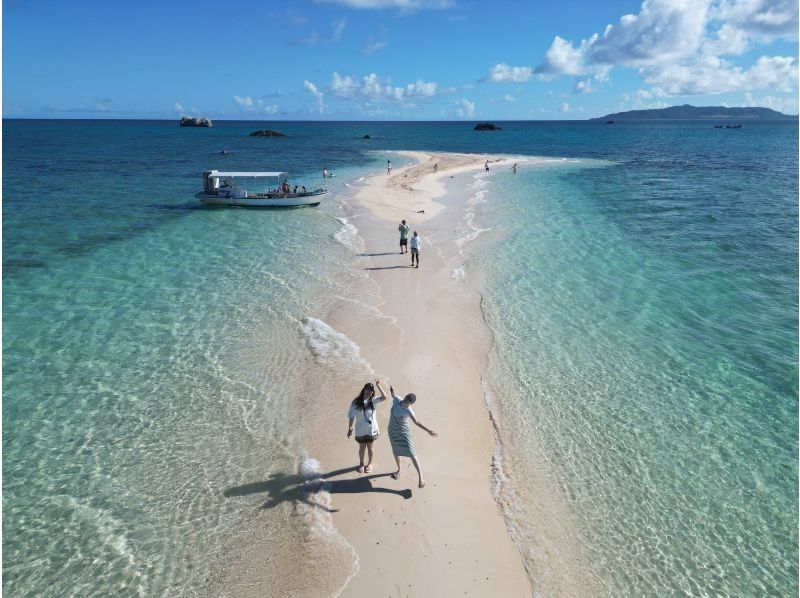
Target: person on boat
pixel 416 242
pixel 285 187
pixel 295 188
pixel 362 414
pixel 403 228
pixel 303 189
pixel 400 432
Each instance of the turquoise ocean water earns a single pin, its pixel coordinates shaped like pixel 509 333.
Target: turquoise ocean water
pixel 642 297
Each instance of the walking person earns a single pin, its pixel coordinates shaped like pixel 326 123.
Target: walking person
pixel 400 433
pixel 362 414
pixel 514 168
pixel 486 165
pixel 403 228
pixel 416 241
pixel 388 167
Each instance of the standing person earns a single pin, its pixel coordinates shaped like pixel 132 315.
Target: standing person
pixel 514 168
pixel 486 165
pixel 400 433
pixel 388 167
pixel 403 228
pixel 362 413
pixel 415 244
pixel 325 173
pixel 435 167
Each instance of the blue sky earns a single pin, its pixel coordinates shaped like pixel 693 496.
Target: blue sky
pixel 394 59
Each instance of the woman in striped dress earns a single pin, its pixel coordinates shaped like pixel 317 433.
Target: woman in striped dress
pixel 400 433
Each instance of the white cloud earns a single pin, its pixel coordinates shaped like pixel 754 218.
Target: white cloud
pixel 338 26
pixel 509 98
pixel 583 86
pixel 312 89
pixel 678 45
pixel 785 105
pixel 245 101
pixel 372 88
pixel 712 75
pixel 466 108
pixel 273 109
pixel 373 46
pixel 179 107
pixel 503 73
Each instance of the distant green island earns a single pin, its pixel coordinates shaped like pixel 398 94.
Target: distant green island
pixel 687 112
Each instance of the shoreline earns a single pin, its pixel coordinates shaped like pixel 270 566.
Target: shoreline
pixel 449 537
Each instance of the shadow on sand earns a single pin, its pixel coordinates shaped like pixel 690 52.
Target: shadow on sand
pixel 295 488
pixel 377 254
pixel 387 267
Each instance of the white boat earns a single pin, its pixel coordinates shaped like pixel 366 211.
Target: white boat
pixel 256 189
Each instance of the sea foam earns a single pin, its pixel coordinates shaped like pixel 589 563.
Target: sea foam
pixel 348 236
pixel 333 349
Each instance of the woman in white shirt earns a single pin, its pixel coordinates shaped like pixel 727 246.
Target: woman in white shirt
pixel 362 414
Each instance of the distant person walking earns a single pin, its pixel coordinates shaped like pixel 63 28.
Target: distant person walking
pixel 400 432
pixel 416 241
pixel 388 167
pixel 486 165
pixel 403 228
pixel 362 414
pixel 436 167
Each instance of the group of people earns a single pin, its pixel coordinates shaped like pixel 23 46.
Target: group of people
pixel 363 422
pixel 416 243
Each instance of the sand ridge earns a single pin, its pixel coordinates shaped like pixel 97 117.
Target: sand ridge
pixel 448 538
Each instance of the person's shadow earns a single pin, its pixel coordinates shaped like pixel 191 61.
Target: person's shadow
pixel 295 488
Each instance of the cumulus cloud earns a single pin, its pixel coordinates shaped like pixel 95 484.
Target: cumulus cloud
pixel 679 46
pixel 272 109
pixel 318 95
pixel 245 101
pixel 785 105
pixel 372 88
pixel 503 73
pixel 466 109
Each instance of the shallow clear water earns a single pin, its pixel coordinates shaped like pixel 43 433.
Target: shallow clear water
pixel 645 314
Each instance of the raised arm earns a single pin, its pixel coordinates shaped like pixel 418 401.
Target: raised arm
pixel 380 389
pixel 428 430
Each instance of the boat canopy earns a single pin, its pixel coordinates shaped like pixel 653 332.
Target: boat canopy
pixel 260 175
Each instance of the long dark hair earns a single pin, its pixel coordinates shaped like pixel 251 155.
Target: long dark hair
pixel 360 402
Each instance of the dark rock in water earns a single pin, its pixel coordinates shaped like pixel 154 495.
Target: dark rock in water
pixel 609 122
pixel 266 133
pixel 487 127
pixel 196 121
pixel 365 137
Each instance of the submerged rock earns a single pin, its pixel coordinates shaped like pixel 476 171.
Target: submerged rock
pixel 487 127
pixel 267 133
pixel 194 121
pixel 366 137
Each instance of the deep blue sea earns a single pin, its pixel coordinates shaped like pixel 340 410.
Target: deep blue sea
pixel 642 295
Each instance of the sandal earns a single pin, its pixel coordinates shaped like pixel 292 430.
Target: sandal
pixel 360 469
pixel 368 468
pixel 395 475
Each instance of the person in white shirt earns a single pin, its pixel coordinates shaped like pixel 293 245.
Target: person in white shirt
pixel 362 414
pixel 416 242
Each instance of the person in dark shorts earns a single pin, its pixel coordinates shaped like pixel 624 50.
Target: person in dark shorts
pixel 416 243
pixel 362 415
pixel 403 228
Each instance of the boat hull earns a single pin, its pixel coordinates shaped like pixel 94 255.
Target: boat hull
pixel 291 201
